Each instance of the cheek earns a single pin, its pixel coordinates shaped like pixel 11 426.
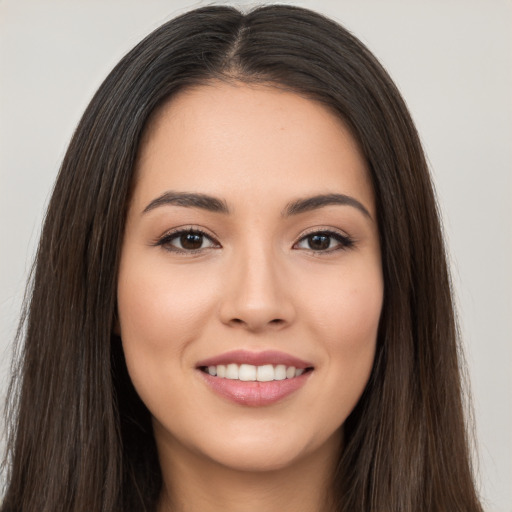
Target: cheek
pixel 346 305
pixel 345 317
pixel 160 312
pixel 354 328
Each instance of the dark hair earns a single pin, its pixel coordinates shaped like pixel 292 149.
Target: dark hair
pixel 81 439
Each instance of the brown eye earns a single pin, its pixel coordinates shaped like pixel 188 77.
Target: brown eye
pixel 324 241
pixel 319 242
pixel 191 241
pixel 187 241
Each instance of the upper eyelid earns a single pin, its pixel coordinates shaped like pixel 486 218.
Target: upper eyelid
pixel 323 229
pixel 344 240
pixel 187 229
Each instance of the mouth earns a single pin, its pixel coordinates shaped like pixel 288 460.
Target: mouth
pixel 255 379
pixel 253 373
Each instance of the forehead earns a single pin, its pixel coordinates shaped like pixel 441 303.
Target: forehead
pixel 234 139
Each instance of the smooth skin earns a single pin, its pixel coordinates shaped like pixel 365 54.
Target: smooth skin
pixel 258 276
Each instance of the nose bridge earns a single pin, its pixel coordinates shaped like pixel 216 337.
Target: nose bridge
pixel 256 296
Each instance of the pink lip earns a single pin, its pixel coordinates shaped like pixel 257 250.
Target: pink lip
pixel 255 394
pixel 255 358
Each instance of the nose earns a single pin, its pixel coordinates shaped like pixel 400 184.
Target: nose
pixel 256 296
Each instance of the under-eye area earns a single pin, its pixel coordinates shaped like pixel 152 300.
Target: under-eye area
pixel 252 373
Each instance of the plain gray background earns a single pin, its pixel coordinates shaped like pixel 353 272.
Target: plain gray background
pixel 451 59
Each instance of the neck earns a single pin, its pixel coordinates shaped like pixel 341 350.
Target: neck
pixel 194 483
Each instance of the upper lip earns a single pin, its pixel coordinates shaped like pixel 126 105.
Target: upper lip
pixel 255 358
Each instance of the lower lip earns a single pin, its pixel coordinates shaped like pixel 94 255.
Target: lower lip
pixel 253 393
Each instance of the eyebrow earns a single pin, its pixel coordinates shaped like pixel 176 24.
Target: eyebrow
pixel 213 204
pixel 189 200
pixel 312 203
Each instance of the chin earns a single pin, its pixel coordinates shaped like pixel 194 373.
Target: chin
pixel 256 459
pixel 257 453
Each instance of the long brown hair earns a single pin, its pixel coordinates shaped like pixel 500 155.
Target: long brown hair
pixel 80 438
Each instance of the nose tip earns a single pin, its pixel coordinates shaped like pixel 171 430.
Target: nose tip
pixel 256 297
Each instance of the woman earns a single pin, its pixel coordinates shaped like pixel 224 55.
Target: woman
pixel 241 297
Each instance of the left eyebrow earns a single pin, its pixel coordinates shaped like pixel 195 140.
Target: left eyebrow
pixel 312 203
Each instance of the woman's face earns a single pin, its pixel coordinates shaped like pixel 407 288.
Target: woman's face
pixel 250 285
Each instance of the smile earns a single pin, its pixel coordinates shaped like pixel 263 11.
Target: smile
pixel 252 373
pixel 254 378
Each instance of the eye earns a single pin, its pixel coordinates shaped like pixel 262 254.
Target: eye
pixel 324 241
pixel 187 241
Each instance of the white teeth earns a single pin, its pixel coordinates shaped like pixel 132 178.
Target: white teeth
pixel 280 372
pixel 249 372
pixel 232 371
pixel 265 373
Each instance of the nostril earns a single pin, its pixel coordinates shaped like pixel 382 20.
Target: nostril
pixel 275 321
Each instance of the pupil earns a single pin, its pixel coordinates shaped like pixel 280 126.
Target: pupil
pixel 191 241
pixel 319 242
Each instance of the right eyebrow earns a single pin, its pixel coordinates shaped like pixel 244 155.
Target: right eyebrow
pixel 188 200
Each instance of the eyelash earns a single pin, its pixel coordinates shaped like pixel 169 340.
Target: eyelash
pixel 344 242
pixel 166 240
